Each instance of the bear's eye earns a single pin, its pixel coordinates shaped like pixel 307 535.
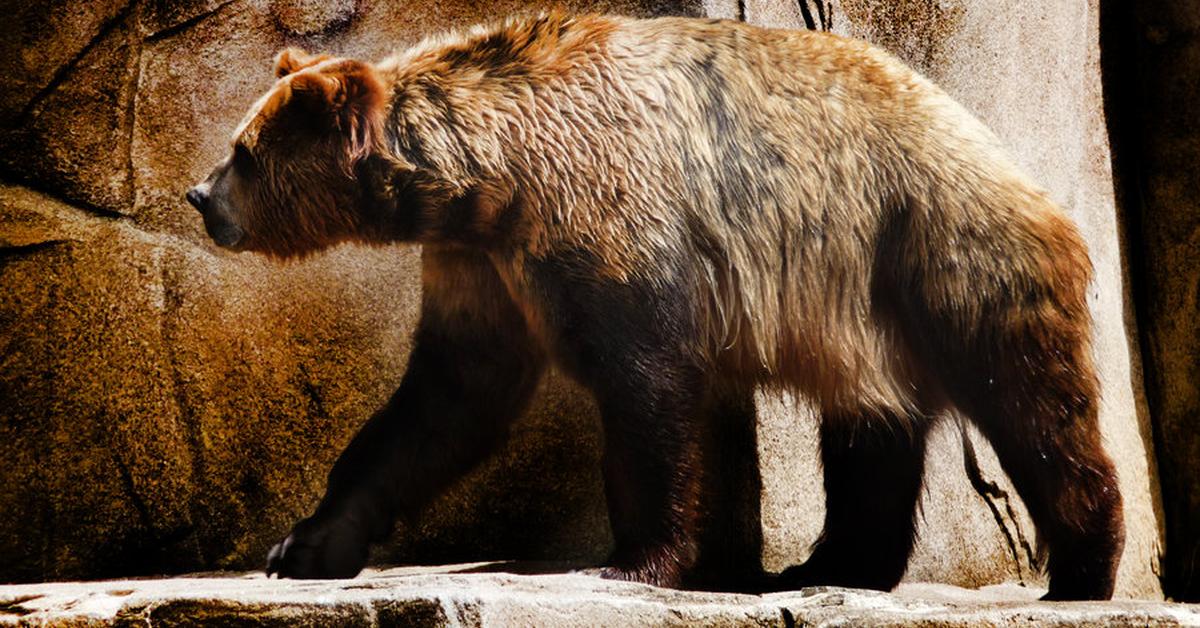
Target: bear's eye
pixel 243 161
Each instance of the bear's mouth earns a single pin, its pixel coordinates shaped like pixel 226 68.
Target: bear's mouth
pixel 226 235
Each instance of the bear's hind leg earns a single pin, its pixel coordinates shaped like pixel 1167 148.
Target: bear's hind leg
pixel 998 311
pixel 730 537
pixel 652 476
pixel 873 466
pixel 1041 418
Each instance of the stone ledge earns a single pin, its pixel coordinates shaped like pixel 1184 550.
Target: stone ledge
pixel 480 594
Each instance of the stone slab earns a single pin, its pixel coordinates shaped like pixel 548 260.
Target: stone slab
pixel 487 595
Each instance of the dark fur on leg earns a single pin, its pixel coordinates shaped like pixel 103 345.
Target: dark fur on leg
pixel 471 373
pixel 630 344
pixel 652 477
pixel 730 539
pixel 1058 466
pixel 873 467
pixel 1021 368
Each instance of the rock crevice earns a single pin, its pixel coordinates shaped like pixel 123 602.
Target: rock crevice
pixel 1001 507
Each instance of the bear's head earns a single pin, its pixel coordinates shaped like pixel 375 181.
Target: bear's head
pixel 289 185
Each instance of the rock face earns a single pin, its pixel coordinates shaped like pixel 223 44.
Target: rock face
pixel 468 595
pixel 1152 78
pixel 166 407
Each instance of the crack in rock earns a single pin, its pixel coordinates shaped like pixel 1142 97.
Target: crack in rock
pixel 8 253
pixel 82 205
pixel 61 74
pixel 992 494
pixel 824 18
pixel 175 29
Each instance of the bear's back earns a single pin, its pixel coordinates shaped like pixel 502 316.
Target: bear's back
pixel 783 162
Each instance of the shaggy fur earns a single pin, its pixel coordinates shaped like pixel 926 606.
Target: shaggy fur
pixel 664 208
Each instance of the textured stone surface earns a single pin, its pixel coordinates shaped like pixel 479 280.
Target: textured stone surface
pixel 157 397
pixel 312 17
pixel 41 43
pixel 464 595
pixel 1152 67
pixel 167 408
pixel 73 135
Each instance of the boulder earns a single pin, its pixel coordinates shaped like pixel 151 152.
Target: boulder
pixel 169 408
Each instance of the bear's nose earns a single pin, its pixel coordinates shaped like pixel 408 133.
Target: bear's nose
pixel 198 197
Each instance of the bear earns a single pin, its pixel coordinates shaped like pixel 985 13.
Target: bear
pixel 676 212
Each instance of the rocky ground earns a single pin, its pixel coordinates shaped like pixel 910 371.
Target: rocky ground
pixel 485 594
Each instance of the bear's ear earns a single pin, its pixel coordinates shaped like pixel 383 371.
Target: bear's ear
pixel 347 95
pixel 346 85
pixel 291 60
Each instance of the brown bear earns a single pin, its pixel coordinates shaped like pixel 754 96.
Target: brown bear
pixel 676 212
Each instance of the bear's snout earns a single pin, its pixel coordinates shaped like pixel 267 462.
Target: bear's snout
pixel 218 221
pixel 198 197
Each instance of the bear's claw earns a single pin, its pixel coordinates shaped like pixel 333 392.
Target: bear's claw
pixel 319 549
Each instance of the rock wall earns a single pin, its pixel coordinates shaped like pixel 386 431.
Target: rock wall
pixel 1152 85
pixel 167 407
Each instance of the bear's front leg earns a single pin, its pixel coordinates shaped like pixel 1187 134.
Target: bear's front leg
pixel 472 371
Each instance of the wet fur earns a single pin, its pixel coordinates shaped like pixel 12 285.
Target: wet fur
pixel 666 208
